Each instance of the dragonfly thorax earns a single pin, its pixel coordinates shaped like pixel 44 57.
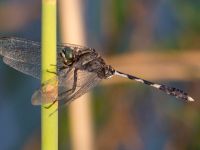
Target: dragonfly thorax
pixel 108 71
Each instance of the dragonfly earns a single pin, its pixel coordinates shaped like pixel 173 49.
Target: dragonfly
pixel 79 69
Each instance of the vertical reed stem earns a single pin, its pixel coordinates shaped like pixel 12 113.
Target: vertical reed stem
pixel 49 124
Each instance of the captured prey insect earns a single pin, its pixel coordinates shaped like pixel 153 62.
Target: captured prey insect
pixel 78 70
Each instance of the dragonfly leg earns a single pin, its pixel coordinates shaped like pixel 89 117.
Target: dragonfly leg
pixel 73 86
pixel 47 107
pixel 62 68
pixel 70 90
pixel 59 69
pixel 52 72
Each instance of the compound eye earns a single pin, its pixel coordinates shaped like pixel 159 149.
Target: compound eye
pixel 68 54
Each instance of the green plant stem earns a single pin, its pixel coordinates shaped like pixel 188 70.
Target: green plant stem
pixel 49 124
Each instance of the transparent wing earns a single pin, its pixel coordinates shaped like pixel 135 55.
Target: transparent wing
pixel 20 50
pixel 74 47
pixel 25 55
pixel 29 69
pixel 28 51
pixel 46 94
pixel 86 81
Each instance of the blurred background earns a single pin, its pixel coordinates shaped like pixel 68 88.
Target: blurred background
pixel 158 40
